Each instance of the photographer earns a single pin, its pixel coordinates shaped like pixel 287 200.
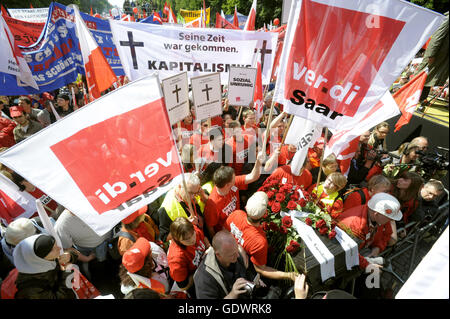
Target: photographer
pixel 222 274
pixel 428 201
pixel 408 154
pixel 362 162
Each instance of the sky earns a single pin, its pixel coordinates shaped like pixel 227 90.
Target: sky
pixel 118 3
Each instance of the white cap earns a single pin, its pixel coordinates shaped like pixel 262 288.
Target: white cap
pixel 386 205
pixel 257 205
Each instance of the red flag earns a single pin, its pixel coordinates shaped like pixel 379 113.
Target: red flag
pixel 250 24
pixel 407 98
pixel 99 74
pixel 144 13
pixel 258 101
pixel 4 11
pixel 172 18
pixel 91 13
pixel 166 9
pixel 157 17
pixel 235 18
pixel 223 23
pixel 31 6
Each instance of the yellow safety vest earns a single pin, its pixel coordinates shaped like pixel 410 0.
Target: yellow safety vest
pixel 329 200
pixel 173 207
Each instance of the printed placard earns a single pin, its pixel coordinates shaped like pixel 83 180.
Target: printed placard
pixel 241 86
pixel 207 95
pixel 176 95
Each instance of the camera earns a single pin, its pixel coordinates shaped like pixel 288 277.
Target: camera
pixel 432 162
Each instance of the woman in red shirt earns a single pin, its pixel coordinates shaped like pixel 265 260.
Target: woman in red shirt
pixel 185 252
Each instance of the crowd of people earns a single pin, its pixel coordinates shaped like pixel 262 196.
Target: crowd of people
pixel 204 238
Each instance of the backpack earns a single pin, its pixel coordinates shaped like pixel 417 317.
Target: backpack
pixel 360 192
pixel 113 248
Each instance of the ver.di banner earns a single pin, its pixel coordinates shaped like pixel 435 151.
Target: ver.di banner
pixel 145 48
pixel 340 57
pixel 107 159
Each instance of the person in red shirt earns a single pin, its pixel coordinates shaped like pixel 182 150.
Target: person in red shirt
pixel 197 139
pixel 284 173
pixel 216 150
pixel 6 132
pixel 365 221
pixel 185 252
pixel 250 127
pixel 224 198
pixel 247 230
pixel 360 196
pixel 243 151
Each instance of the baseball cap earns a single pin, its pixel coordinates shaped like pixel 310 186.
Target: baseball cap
pixel 18 230
pixel 134 258
pixel 136 214
pixel 15 111
pixel 43 245
pixel 257 205
pixel 386 205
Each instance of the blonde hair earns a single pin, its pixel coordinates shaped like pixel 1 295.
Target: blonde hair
pixel 338 179
pixel 330 159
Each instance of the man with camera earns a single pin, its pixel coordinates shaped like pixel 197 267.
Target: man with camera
pixel 428 201
pixel 222 274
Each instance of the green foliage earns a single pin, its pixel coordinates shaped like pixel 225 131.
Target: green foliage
pixel 440 6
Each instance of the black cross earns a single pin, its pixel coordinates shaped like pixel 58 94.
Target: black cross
pixel 177 89
pixel 263 52
pixel 207 89
pixel 132 46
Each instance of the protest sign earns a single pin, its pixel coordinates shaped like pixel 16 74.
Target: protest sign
pixel 176 95
pixel 25 33
pixel 37 15
pixel 55 60
pixel 207 96
pixel 241 86
pixel 169 50
pixel 339 58
pixel 191 15
pixel 106 160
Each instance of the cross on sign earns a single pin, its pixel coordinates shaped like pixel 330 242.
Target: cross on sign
pixel 207 89
pixel 263 52
pixel 177 89
pixel 130 43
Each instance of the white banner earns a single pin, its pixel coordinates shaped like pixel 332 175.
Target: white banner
pixel 323 256
pixel 207 96
pixel 176 96
pixel 169 50
pixel 241 86
pixel 340 57
pixel 37 15
pixel 105 160
pixel 350 247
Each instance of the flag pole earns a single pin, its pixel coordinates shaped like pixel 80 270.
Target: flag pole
pixel 291 118
pixel 268 127
pixel 239 114
pixel 321 159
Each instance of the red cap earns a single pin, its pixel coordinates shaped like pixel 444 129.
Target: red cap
pixel 136 214
pixel 134 258
pixel 15 111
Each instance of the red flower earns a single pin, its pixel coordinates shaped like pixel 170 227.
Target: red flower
pixel 308 221
pixel 332 234
pixel 289 186
pixel 280 197
pixel 294 197
pixel 273 226
pixel 320 204
pixel 305 194
pixel 276 207
pixel 302 202
pixel 292 247
pixel 270 194
pixel 323 230
pixel 313 195
pixel 329 208
pixel 320 224
pixel 291 205
pixel 265 226
pixel 283 230
pixel 286 221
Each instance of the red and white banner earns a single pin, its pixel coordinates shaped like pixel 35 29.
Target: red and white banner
pixel 251 19
pixel 258 98
pixel 14 203
pixel 407 98
pixel 99 75
pixel 344 142
pixel 340 57
pixel 107 159
pixel 25 33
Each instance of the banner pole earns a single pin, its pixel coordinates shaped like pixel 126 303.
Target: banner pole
pixel 268 127
pixel 291 118
pixel 240 112
pixel 321 159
